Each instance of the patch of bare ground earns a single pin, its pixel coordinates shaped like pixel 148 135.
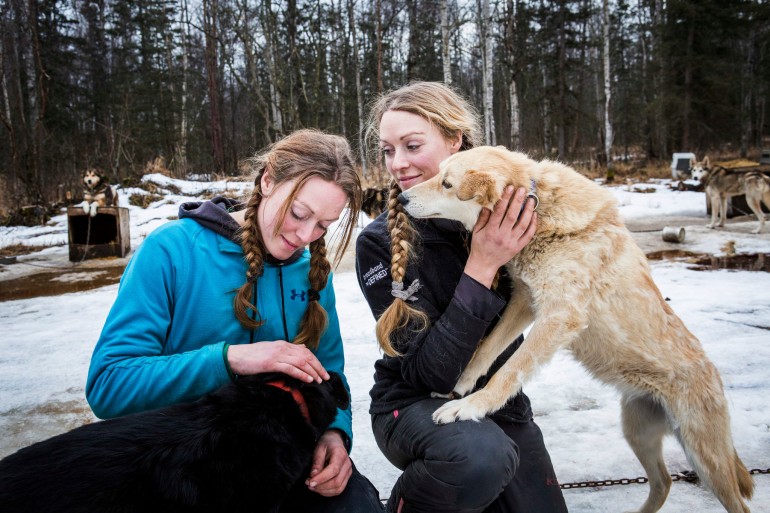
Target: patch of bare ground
pixel 706 262
pixel 25 426
pixel 15 250
pixel 54 283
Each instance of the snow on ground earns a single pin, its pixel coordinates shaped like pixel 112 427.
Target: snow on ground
pixel 47 342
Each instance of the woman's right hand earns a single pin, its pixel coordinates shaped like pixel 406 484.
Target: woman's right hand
pixel 293 360
pixel 500 234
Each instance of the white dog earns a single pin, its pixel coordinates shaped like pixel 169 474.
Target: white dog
pixel 585 285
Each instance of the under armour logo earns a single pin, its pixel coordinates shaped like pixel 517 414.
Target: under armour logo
pixel 295 295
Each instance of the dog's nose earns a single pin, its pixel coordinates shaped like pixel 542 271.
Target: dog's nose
pixel 403 199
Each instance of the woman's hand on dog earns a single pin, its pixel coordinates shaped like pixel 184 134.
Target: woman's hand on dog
pixel 331 468
pixel 294 360
pixel 500 234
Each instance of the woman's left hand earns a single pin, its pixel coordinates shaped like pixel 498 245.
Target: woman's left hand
pixel 331 468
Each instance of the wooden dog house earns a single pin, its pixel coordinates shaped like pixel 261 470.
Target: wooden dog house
pixel 104 235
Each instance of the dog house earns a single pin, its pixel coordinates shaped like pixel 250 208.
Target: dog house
pixel 680 165
pixel 104 235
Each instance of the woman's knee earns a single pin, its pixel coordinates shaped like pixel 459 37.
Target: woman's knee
pixel 476 468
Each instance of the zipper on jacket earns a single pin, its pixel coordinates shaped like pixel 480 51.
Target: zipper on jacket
pixel 283 305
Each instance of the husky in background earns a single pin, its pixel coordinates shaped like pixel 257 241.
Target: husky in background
pixel 97 192
pixel 721 184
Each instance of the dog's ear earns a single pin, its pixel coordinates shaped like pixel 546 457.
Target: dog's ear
pixel 706 162
pixel 478 185
pixel 339 391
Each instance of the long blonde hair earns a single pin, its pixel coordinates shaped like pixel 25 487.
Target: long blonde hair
pixel 302 155
pixel 451 114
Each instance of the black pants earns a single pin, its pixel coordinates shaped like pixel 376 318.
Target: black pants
pixel 492 466
pixel 360 496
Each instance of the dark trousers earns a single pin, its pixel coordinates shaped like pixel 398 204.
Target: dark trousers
pixel 492 466
pixel 360 496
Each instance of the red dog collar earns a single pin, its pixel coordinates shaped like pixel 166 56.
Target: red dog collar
pixel 295 394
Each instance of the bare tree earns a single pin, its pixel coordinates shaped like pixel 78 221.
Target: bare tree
pixel 210 12
pixel 486 38
pixel 271 59
pixel 510 27
pixel 359 93
pixel 608 136
pixel 445 36
pixel 181 144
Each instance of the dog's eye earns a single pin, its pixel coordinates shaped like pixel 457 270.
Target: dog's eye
pixel 446 185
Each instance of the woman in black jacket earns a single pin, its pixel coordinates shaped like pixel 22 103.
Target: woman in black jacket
pixel 436 291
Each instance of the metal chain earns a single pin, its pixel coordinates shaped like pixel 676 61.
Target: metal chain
pixel 686 475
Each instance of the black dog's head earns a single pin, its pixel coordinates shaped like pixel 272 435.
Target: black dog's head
pixel 321 399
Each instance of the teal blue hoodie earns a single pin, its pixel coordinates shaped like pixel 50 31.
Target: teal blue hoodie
pixel 164 337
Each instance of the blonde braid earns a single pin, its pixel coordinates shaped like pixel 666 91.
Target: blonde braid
pixel 315 319
pixel 399 314
pixel 253 252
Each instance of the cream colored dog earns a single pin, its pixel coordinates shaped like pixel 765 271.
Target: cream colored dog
pixel 585 285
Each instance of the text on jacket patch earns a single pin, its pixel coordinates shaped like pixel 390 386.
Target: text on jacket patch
pixel 375 274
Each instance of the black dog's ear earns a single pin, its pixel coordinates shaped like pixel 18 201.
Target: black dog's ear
pixel 339 391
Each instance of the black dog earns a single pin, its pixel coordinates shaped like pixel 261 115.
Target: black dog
pixel 241 448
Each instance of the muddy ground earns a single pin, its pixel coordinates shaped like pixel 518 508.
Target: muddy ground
pixel 25 278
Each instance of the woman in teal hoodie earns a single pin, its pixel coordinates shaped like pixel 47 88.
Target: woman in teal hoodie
pixel 235 289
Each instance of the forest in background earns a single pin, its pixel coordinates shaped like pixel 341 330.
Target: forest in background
pixel 196 86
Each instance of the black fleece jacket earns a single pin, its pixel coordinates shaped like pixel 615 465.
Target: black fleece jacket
pixel 461 313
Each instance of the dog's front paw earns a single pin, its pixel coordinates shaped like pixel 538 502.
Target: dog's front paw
pixel 473 407
pixel 86 207
pixel 93 209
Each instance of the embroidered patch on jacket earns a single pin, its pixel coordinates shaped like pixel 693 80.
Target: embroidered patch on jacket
pixel 375 274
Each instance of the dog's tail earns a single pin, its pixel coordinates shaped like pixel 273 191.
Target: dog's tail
pixel 745 482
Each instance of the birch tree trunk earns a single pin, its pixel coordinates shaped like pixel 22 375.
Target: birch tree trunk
pixel 608 135
pixel 445 35
pixel 487 49
pixel 513 94
pixel 181 145
pixel 270 53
